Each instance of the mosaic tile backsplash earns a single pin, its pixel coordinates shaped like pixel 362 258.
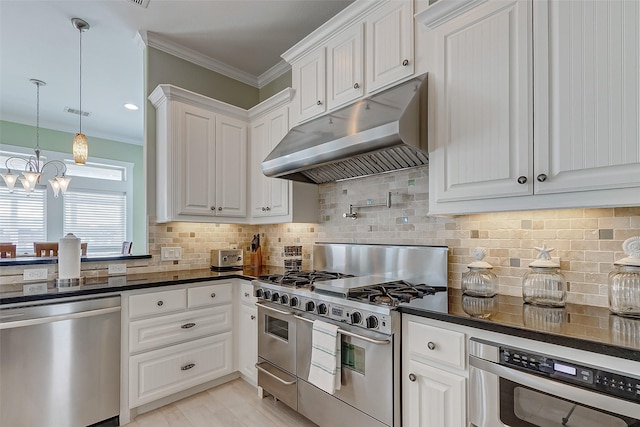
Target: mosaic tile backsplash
pixel 587 241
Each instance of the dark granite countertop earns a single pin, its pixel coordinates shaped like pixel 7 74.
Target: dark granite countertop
pixel 33 260
pixel 29 292
pixel 584 327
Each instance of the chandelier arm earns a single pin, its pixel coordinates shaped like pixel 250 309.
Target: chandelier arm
pixel 55 164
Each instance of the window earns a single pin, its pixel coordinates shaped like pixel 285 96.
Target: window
pixel 97 207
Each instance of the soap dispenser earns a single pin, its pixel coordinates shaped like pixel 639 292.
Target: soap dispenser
pixel 624 281
pixel 544 284
pixel 479 281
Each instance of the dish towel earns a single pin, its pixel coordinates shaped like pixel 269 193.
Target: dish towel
pixel 325 357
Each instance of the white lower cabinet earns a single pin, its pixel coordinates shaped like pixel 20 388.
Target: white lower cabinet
pixel 434 374
pixel 247 334
pixel 159 373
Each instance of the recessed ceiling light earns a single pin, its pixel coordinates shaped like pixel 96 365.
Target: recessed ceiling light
pixel 130 106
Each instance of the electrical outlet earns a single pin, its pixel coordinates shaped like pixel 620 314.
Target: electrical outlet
pixel 34 288
pixel 34 274
pixel 117 281
pixel 117 268
pixel 170 254
pixel 233 246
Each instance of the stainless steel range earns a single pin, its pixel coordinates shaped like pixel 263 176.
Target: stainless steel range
pixel 357 288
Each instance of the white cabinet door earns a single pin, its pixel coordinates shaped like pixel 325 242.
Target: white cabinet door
pixel 483 142
pixel 308 76
pixel 248 328
pixel 587 88
pixel 197 160
pixel 260 185
pixel 231 167
pixel 345 79
pixel 389 43
pixel 278 188
pixel 433 397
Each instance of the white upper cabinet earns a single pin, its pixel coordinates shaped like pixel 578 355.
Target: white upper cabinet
pixel 389 43
pixel 534 106
pixel 201 157
pixel 308 75
pixel 345 73
pixel 587 86
pixel 483 139
pixel 278 189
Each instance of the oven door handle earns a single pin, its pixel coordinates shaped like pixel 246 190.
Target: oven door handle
pixel 274 376
pixel 555 388
pixel 351 334
pixel 262 305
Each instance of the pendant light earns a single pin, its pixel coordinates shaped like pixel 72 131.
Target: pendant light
pixel 80 145
pixel 33 169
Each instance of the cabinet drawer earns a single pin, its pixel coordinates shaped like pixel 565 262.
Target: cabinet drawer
pixel 157 302
pixel 437 344
pixel 246 294
pixel 209 295
pixel 163 372
pixel 155 332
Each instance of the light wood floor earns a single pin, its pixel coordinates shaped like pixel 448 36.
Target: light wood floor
pixel 234 404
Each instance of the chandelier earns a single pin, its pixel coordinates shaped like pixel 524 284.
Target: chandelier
pixel 33 167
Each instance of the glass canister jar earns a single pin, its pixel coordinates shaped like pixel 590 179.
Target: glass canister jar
pixel 479 281
pixel 624 281
pixel 544 284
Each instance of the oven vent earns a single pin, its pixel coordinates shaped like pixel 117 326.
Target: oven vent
pixel 78 112
pixel 141 3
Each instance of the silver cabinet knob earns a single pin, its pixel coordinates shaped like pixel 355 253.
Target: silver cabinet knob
pixel 522 179
pixel 188 325
pixel 160 303
pixel 405 62
pixel 253 317
pixel 213 294
pixel 268 208
pixel 356 86
pixel 412 377
pixel 187 367
pixel 431 345
pixel 541 178
pixel 219 208
pixel 319 102
pixel 264 209
pixel 246 294
pixel 213 208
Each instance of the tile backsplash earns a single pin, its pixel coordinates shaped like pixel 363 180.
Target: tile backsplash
pixel 587 241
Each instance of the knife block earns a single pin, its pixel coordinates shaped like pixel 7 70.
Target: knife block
pixel 256 258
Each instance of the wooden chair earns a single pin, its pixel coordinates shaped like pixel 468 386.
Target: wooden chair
pixel 51 248
pixel 7 250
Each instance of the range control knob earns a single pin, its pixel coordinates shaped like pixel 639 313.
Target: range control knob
pixel 267 294
pixel 259 293
pixel 372 322
pixel 284 299
pixel 275 297
pixel 293 302
pixel 322 308
pixel 310 306
pixel 356 317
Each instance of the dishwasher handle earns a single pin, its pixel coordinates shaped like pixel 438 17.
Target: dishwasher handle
pixel 59 318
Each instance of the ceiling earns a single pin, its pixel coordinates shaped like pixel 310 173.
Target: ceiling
pixel 38 41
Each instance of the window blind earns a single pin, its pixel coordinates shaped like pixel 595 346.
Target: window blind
pixel 22 218
pixel 99 219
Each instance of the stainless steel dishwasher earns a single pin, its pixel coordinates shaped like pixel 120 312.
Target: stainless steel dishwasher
pixel 60 362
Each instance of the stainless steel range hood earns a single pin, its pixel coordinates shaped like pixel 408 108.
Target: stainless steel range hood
pixel 381 133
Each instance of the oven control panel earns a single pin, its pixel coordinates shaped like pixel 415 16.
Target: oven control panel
pixel 608 382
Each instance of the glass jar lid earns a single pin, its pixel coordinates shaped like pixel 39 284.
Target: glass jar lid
pixel 631 247
pixel 479 253
pixel 544 259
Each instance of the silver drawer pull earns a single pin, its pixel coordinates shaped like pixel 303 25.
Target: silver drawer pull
pixel 188 325
pixel 160 303
pixel 187 367
pixel 431 345
pixel 350 334
pixel 253 317
pixel 246 294
pixel 412 377
pixel 261 369
pixel 261 305
pixel 213 294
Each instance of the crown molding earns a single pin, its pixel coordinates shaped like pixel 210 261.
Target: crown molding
pixel 159 42
pixel 278 100
pixel 166 92
pixel 273 73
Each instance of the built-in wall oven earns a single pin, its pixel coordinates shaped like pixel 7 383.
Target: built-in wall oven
pixel 512 386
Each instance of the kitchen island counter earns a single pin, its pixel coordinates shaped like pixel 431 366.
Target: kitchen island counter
pixel 583 327
pixel 34 291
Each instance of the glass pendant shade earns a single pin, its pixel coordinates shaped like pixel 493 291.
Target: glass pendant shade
pixel 63 181
pixel 80 149
pixel 32 178
pixel 28 187
pixel 55 186
pixel 10 179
